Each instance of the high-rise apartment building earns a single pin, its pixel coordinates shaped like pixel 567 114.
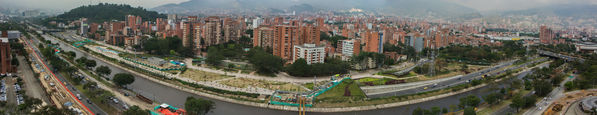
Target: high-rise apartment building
pixel 212 31
pixel 546 35
pixel 309 34
pixel 348 48
pixel 5 57
pixel 310 52
pixel 285 37
pixel 373 42
pixel 263 36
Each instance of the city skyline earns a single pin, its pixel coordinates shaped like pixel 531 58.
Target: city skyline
pixel 479 5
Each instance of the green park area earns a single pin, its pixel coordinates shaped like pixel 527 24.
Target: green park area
pixel 344 93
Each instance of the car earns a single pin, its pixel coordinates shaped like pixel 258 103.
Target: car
pixel 88 101
pixel 425 88
pixel 115 100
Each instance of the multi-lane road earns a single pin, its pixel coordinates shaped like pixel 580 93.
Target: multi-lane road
pixel 447 82
pixel 84 100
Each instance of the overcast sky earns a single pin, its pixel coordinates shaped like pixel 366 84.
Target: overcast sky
pixel 481 5
pixel 505 5
pixel 70 4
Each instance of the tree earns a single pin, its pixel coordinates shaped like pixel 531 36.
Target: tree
pixel 264 62
pixel 71 54
pixel 30 103
pixel 523 102
pixel 214 57
pixel 470 101
pixel 469 111
pixel 198 106
pixel 103 70
pixel 444 110
pixel 492 98
pixel 569 85
pixel 90 63
pixel 420 111
pixel 230 66
pixel 122 79
pixel 15 61
pixel 517 102
pixel 299 68
pixel 436 110
pixel 542 87
pixel 82 61
pixel 135 110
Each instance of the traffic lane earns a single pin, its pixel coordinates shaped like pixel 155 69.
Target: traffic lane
pixel 94 108
pixel 442 84
pixel 43 60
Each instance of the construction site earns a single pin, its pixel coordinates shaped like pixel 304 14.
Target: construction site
pixel 572 103
pixel 59 94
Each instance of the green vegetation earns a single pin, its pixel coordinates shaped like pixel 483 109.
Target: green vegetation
pixel 493 98
pixel 103 70
pixel 523 102
pixel 433 111
pixel 104 12
pixel 559 48
pixel 469 111
pixel 587 74
pixel 135 110
pixel 378 59
pixel 330 67
pixel 198 106
pixel 469 101
pixel 167 46
pixel 122 79
pixel 83 61
pixel 331 39
pixel 373 81
pixel 482 55
pixel 347 91
pixel 542 87
pixel 264 62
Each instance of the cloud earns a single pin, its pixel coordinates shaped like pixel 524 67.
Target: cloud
pixel 70 4
pixel 505 5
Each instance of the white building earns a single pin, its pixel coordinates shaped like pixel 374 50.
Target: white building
pixel 256 22
pixel 348 48
pixel 309 52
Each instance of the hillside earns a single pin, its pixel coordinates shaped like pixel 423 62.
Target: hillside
pixel 413 8
pixel 580 11
pixel 106 12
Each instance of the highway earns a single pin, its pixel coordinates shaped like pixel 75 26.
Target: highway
pixel 444 83
pixel 556 55
pixel 94 108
